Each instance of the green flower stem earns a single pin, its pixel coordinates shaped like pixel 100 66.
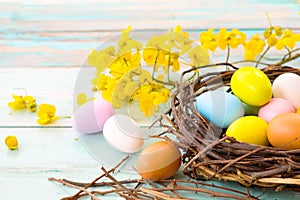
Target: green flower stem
pixel 250 61
pixel 290 52
pixel 64 117
pixel 264 53
pixel 228 53
pixel 289 59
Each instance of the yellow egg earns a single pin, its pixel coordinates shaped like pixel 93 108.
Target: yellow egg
pixel 298 111
pixel 249 129
pixel 251 85
pixel 284 131
pixel 159 160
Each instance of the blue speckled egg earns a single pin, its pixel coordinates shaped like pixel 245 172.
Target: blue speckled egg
pixel 219 107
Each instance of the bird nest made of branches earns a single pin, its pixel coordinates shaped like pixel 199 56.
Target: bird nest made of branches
pixel 208 153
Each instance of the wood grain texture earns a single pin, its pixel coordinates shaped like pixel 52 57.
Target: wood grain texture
pixel 43 43
pixel 61 33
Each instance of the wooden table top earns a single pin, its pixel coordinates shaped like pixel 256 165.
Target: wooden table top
pixel 43 44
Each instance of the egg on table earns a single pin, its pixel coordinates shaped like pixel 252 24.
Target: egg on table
pixel 91 116
pixel 219 107
pixel 159 160
pixel 123 133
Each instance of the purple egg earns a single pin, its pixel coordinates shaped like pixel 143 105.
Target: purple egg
pixel 91 116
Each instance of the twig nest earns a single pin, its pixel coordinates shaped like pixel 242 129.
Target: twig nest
pixel 211 154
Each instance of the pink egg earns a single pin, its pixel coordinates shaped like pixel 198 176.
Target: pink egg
pixel 274 107
pixel 91 116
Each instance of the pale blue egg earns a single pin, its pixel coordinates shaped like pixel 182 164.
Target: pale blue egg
pixel 219 107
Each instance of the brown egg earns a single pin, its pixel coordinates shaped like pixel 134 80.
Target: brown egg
pixel 160 160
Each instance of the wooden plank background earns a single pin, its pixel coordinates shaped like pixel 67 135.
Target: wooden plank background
pixel 44 43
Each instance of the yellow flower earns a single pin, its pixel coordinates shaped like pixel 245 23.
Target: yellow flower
pixel 46 114
pixel 288 39
pixel 161 58
pixel 11 142
pixel 125 63
pixel 209 40
pixel 149 96
pixel 182 39
pixel 32 106
pixel 232 38
pixel 178 29
pixel 100 59
pixel 154 56
pixel 21 102
pixel 126 43
pixel 254 47
pixel 160 42
pixel 269 31
pixel 81 99
pixel 198 56
pixel 147 105
pixel 272 40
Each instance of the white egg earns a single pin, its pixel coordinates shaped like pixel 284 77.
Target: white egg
pixel 287 86
pixel 123 133
pixel 91 116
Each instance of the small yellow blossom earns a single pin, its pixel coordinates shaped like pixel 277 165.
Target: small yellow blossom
pixel 254 47
pixel 277 30
pixel 209 40
pixel 21 102
pixel 161 58
pixel 288 39
pixel 231 38
pixel 126 43
pixel 182 39
pixel 100 59
pixel 198 56
pixel 154 56
pixel 46 114
pixel 81 99
pixel 11 142
pixel 149 96
pixel 272 40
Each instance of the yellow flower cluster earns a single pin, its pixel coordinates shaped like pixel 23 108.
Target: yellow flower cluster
pixel 120 75
pixel 21 102
pixel 223 39
pixel 45 113
pixel 273 36
pixel 140 72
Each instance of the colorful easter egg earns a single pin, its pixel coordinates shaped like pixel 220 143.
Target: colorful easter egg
pixel 287 86
pixel 274 107
pixel 284 131
pixel 91 116
pixel 249 129
pixel 159 160
pixel 219 107
pixel 251 85
pixel 123 133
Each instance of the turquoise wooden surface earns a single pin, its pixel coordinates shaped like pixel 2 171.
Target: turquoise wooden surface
pixel 44 43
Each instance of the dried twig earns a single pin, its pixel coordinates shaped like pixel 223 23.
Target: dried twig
pixel 225 158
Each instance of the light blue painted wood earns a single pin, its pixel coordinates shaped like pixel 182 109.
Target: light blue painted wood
pixel 42 45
